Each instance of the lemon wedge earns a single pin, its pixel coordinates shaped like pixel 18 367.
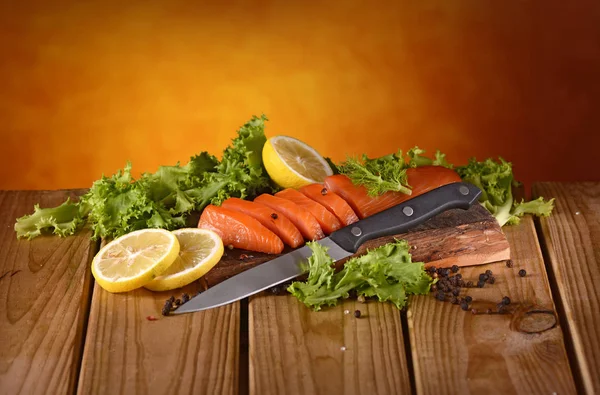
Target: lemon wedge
pixel 292 163
pixel 200 250
pixel 135 259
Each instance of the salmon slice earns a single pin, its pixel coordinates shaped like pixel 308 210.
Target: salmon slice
pixel 331 201
pixel 421 179
pixel 269 218
pixel 329 222
pixel 240 230
pixel 304 221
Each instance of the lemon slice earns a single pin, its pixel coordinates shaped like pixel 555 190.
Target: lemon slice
pixel 134 259
pixel 200 251
pixel 292 163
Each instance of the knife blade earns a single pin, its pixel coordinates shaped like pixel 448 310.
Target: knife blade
pixel 341 244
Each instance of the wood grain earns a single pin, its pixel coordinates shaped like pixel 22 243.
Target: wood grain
pixel 521 351
pixel 44 300
pixel 294 350
pixel 125 353
pixel 455 237
pixel 571 240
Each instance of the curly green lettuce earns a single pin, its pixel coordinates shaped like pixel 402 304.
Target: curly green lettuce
pixel 386 273
pixel 165 199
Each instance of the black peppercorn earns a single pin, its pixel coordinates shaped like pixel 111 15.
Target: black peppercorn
pixel 505 300
pixel 458 277
pixel 454 300
pixel 432 269
pixel 171 299
pixel 324 191
pixel 488 272
pixel 509 263
pixel 454 268
pixel 456 291
pixel 177 302
pixel 522 272
pixel 480 284
pixel 185 298
pixel 357 313
pixel 468 299
pixel 167 307
pixel 440 296
pixel 483 277
pixel 276 290
pixel 492 280
pixel 464 305
pixel 274 215
pixel 469 283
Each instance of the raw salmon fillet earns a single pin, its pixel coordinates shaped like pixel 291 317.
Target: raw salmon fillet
pixel 329 222
pixel 421 179
pixel 240 230
pixel 331 201
pixel 269 218
pixel 304 221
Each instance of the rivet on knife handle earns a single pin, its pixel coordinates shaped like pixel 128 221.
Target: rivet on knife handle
pixel 413 212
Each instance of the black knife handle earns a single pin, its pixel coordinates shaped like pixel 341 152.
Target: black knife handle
pixel 413 212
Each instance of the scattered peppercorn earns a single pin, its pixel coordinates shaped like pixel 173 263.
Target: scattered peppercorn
pixel 167 307
pixel 469 283
pixel 505 300
pixel 522 272
pixel 483 277
pixel 177 302
pixel 456 291
pixel 464 305
pixel 440 296
pixel 454 268
pixel 357 313
pixel 185 298
pixel 432 269
pixel 454 300
pixel 458 277
pixel 274 215
pixel 324 191
pixel 492 280
pixel 480 284
pixel 468 299
pixel 171 299
pixel 509 263
pixel 488 272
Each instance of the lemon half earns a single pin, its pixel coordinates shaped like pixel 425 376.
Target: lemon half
pixel 292 163
pixel 200 250
pixel 135 259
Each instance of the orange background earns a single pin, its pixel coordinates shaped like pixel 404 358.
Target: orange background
pixel 86 86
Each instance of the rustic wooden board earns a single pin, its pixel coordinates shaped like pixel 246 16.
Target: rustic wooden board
pixel 125 353
pixel 571 240
pixel 454 351
pixel 461 237
pixel 44 300
pixel 294 350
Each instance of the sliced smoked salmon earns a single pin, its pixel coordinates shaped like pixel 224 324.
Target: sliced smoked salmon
pixel 331 201
pixel 240 230
pixel 421 179
pixel 329 222
pixel 269 218
pixel 304 221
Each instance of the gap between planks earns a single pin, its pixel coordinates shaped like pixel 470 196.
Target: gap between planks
pixel 571 241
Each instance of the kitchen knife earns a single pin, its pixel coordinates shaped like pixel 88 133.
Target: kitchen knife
pixel 341 244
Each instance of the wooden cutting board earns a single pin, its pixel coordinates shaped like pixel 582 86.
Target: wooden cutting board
pixel 455 237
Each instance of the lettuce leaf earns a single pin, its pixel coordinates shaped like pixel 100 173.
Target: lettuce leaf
pixel 120 204
pixel 386 273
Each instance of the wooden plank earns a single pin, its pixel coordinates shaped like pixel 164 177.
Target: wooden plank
pixel 44 300
pixel 571 240
pixel 125 353
pixel 294 350
pixel 520 351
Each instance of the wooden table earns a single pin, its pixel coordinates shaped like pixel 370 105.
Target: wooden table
pixel 60 333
